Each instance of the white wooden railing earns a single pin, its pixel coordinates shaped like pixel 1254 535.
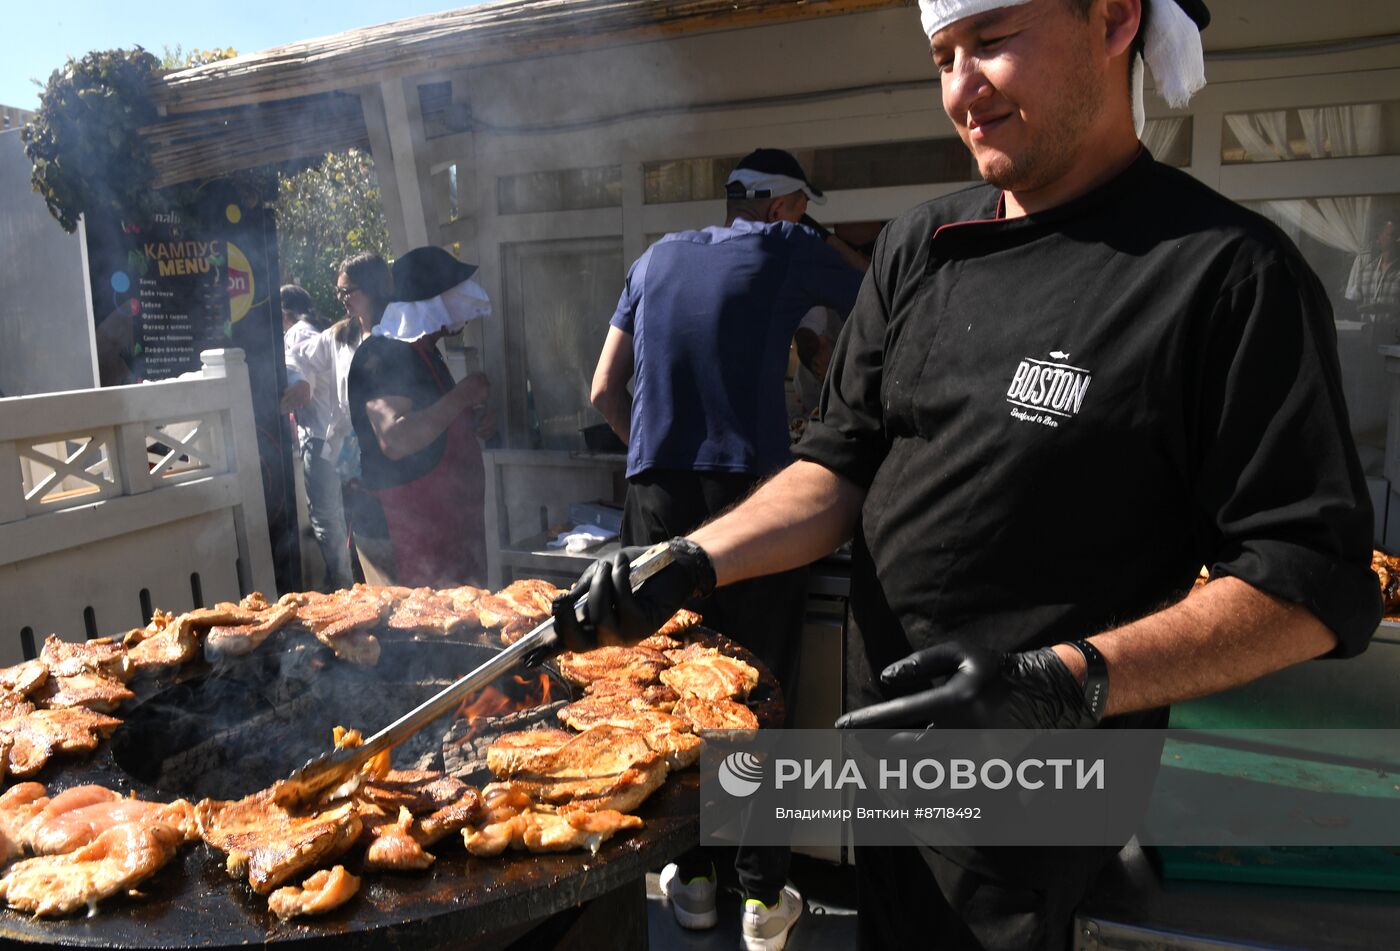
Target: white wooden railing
pixel 115 501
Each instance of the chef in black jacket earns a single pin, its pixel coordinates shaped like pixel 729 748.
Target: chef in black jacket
pixel 1058 395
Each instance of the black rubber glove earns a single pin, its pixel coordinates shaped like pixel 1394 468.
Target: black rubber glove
pixel 816 226
pixel 613 614
pixel 960 686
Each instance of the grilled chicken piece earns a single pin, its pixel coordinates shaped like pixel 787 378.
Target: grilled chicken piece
pixel 400 842
pixel 13 705
pixel 19 806
pixel 327 889
pixel 95 691
pixel 37 735
pixel 429 610
pixel 666 734
pixel 271 845
pixel 101 655
pixel 394 846
pixel 715 714
pixel 517 607
pixel 77 827
pixel 450 818
pixel 168 641
pixel 605 768
pixel 654 696
pixel 513 753
pixel 679 621
pixel 419 791
pixel 530 596
pixel 639 665
pixel 464 599
pixel 29 751
pixel 659 642
pixel 24 678
pixel 114 862
pixel 342 620
pixel 244 637
pixel 72 729
pixel 538 830
pixel 709 675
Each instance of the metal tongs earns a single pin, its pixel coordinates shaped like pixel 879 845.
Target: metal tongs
pixel 330 770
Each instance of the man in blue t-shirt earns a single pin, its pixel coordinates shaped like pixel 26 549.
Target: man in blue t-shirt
pixel 703 329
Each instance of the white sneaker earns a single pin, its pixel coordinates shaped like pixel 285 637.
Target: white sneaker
pixel 692 902
pixel 766 929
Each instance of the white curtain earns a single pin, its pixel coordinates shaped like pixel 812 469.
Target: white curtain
pixel 1342 131
pixel 1337 222
pixel 1330 132
pixel 1161 135
pixel 1264 135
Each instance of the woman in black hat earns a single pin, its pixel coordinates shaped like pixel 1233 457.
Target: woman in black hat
pixel 419 455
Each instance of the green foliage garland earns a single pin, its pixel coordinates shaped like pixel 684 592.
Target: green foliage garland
pixel 84 141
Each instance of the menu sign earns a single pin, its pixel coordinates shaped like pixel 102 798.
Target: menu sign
pixel 202 277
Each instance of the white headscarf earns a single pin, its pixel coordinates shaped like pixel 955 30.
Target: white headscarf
pixel 450 310
pixel 1171 46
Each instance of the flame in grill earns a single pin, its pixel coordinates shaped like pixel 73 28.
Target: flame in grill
pixel 519 693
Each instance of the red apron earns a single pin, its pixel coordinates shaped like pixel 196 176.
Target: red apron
pixel 437 522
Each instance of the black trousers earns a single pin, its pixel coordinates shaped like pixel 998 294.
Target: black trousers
pixel 762 614
pixel 989 899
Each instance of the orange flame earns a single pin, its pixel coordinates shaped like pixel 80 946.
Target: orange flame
pixel 520 693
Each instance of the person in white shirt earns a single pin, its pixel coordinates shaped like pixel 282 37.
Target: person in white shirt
pixel 364 287
pixel 325 509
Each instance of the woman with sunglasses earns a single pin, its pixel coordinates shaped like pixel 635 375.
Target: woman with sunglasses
pixel 364 288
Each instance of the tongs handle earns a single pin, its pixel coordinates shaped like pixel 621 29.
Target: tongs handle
pixel 328 770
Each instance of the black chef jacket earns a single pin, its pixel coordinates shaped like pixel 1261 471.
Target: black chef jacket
pixel 1059 418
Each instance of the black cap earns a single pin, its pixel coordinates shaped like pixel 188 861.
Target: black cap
pixel 1197 11
pixel 771 162
pixel 424 273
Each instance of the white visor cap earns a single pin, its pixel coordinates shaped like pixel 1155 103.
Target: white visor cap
pixel 769 185
pixel 451 311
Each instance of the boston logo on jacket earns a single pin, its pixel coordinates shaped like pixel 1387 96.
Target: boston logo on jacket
pixel 1047 391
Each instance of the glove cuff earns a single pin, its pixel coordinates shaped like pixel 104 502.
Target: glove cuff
pixel 696 563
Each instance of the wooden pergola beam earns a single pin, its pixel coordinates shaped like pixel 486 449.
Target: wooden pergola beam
pixel 490 33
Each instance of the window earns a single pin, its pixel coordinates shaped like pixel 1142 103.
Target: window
pixel 442 116
pixel 881 165
pixel 890 164
pixel 700 179
pixel 1349 241
pixel 559 296
pixel 1280 135
pixel 570 190
pixel 1169 140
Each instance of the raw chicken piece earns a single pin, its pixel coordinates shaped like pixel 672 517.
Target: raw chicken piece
pixel 116 861
pixel 77 827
